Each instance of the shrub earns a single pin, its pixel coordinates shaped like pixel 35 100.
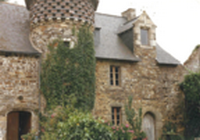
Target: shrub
pixel 122 132
pixel 72 124
pixel 191 88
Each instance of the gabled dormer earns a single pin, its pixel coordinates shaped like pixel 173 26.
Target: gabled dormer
pixel 137 31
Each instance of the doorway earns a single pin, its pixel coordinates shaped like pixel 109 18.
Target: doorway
pixel 148 126
pixel 18 124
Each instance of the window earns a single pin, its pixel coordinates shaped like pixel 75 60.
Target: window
pixel 116 115
pixel 97 36
pixel 67 44
pixel 114 75
pixel 144 37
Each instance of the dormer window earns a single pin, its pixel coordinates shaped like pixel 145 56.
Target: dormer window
pixel 144 36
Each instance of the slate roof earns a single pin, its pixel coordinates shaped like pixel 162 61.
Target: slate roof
pixel 14 35
pixel 14 29
pixel 164 57
pixel 111 45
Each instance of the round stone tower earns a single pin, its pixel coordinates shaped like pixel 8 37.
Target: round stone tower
pixel 53 19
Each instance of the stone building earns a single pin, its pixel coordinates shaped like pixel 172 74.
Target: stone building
pixel 192 64
pixel 128 62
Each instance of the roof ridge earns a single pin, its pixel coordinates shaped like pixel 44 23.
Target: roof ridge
pixel 14 4
pixel 108 15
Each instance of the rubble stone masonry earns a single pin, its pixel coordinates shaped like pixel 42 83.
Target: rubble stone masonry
pixel 19 88
pixel 155 88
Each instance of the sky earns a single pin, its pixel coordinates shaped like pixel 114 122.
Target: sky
pixel 178 21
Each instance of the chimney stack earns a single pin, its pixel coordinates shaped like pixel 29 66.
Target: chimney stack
pixel 129 14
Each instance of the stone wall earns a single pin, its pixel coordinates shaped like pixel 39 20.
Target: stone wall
pixel 42 35
pixel 193 62
pixel 154 88
pixel 19 88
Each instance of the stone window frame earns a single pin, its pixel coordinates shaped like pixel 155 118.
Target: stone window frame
pixel 151 35
pixel 70 41
pixel 115 111
pixel 113 78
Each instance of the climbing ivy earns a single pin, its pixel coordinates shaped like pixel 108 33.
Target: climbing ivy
pixel 68 74
pixel 191 89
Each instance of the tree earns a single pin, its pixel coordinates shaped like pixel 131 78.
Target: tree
pixel 191 89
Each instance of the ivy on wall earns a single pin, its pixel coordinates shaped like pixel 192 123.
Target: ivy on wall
pixel 68 74
pixel 191 89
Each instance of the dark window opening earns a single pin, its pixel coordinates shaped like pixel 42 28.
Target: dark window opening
pixel 67 44
pixel 116 115
pixel 18 124
pixel 144 37
pixel 114 76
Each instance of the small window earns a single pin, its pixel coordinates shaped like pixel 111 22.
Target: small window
pixel 116 115
pixel 97 36
pixel 67 44
pixel 144 37
pixel 114 76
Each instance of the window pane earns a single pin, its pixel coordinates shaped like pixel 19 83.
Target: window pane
pixel 117 83
pixel 111 82
pixel 117 117
pixel 116 76
pixel 116 69
pixel 111 75
pixel 111 69
pixel 144 37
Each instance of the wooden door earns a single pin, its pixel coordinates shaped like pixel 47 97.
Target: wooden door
pixel 12 126
pixel 148 126
pixel 18 124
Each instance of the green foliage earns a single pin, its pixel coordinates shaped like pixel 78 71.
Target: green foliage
pixel 197 47
pixel 169 127
pixel 68 75
pixel 134 121
pixel 29 136
pixel 71 124
pixel 191 89
pixel 170 132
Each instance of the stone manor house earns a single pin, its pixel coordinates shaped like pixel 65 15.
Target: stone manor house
pixel 129 61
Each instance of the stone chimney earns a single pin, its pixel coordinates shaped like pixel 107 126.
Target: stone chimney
pixel 129 14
